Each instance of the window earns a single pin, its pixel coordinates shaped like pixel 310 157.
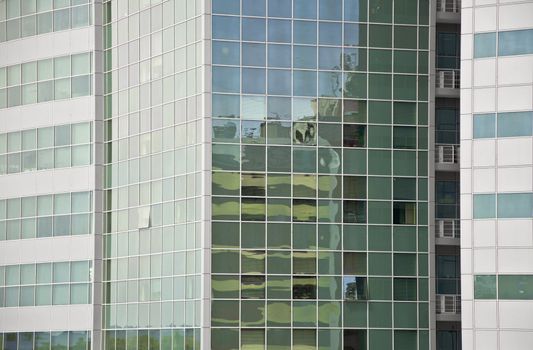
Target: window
pixel 448 50
pixel 484 125
pixel 516 42
pixel 355 339
pixel 484 45
pixel 305 9
pixel 447 120
pixel 226 53
pixel 484 206
pixel 253 287
pixel 231 7
pixel 47 82
pixel 354 135
pixel 404 213
pixel 279 8
pixel 354 288
pixel 354 263
pixel 304 287
pixel 515 287
pixel 485 287
pixel 225 27
pixel 515 205
pixel 515 124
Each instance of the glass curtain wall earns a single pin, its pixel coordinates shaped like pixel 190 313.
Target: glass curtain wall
pixel 320 174
pixel 153 58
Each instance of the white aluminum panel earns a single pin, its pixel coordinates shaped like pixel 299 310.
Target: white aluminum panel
pixel 484 180
pixel 486 340
pixel 515 179
pixel 516 314
pixel 484 100
pixel 484 152
pixel 484 72
pixel 485 314
pixel 47 318
pixel 34 183
pixel 485 19
pixel 515 233
pixel 37 250
pixel 45 114
pixel 516 340
pixel 484 261
pixel 47 45
pixel 515 70
pixel 515 98
pixel 516 16
pixel 484 233
pixel 515 151
pixel 515 260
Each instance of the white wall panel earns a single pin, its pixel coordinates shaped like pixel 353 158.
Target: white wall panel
pixel 515 233
pixel 515 260
pixel 486 340
pixel 515 98
pixel 47 181
pixel 485 19
pixel 484 100
pixel 515 179
pixel 483 152
pixel 515 151
pixel 44 114
pixel 36 250
pixel 515 69
pixel 484 233
pixel 515 314
pixel 484 180
pixel 486 314
pixel 43 46
pixel 516 340
pixel 484 261
pixel 47 318
pixel 516 16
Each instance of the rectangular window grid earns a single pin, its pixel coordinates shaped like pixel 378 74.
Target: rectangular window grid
pixel 46 80
pixel 319 178
pixel 67 340
pixel 46 216
pixel 57 283
pixel 24 18
pixel 52 147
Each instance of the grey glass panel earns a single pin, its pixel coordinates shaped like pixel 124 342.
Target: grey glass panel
pixel 279 56
pixel 253 7
pixel 279 8
pixel 279 30
pixel 305 32
pixel 226 27
pixel 329 33
pixel 226 53
pixel 231 7
pixel 305 9
pixel 253 29
pixel 253 54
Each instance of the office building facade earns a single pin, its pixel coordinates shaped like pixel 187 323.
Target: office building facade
pixel 496 105
pixel 264 174
pixel 49 211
